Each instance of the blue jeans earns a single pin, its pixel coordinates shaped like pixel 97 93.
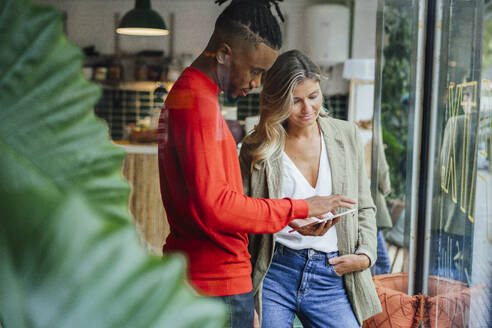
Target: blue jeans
pixel 241 309
pixel 383 264
pixel 304 283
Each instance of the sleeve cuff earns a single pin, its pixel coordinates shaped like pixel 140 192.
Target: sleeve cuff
pixel 372 260
pixel 300 208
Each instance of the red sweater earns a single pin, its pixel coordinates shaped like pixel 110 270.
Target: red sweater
pixel 201 187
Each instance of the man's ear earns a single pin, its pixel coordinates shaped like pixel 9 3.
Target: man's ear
pixel 224 53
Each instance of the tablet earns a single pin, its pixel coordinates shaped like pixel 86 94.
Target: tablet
pixel 326 217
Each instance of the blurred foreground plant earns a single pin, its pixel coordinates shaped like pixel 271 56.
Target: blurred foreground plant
pixel 69 254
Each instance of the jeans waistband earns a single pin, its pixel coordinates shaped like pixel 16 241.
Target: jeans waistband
pixel 306 252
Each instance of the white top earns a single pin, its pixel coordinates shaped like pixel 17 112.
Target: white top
pixel 296 186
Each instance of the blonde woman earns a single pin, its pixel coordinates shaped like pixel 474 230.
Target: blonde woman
pixel 320 273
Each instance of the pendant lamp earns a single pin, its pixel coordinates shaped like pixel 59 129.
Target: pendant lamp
pixel 142 20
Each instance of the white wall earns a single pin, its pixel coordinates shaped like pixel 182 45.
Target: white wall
pixel 364 38
pixel 91 22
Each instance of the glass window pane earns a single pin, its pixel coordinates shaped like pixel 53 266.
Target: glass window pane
pixel 460 265
pixel 392 171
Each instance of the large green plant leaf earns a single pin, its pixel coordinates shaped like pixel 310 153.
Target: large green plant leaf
pixel 69 254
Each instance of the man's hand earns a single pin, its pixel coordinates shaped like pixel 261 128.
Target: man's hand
pixel 318 229
pixel 320 205
pixel 349 263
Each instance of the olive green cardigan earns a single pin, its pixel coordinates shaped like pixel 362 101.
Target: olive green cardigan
pixel 356 233
pixel 383 217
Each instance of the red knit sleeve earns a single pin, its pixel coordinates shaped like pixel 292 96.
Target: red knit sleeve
pixel 199 138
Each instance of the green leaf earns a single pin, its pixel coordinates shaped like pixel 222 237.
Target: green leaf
pixel 69 253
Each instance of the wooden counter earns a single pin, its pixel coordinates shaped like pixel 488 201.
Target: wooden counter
pixel 141 170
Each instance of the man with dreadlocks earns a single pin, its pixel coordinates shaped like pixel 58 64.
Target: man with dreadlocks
pixel 200 177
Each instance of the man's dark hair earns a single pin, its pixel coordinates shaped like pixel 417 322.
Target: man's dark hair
pixel 252 20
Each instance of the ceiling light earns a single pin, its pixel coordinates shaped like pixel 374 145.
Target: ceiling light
pixel 142 20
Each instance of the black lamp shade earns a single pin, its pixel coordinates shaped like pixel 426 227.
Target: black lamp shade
pixel 142 20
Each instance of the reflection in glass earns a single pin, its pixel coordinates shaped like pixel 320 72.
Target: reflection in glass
pixel 392 154
pixel 460 265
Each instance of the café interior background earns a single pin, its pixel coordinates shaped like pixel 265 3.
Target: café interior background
pixel 132 68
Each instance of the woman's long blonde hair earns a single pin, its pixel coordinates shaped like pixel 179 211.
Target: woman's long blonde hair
pixel 276 102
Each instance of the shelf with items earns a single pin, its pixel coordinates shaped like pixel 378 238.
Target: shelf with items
pixel 131 109
pixel 116 68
